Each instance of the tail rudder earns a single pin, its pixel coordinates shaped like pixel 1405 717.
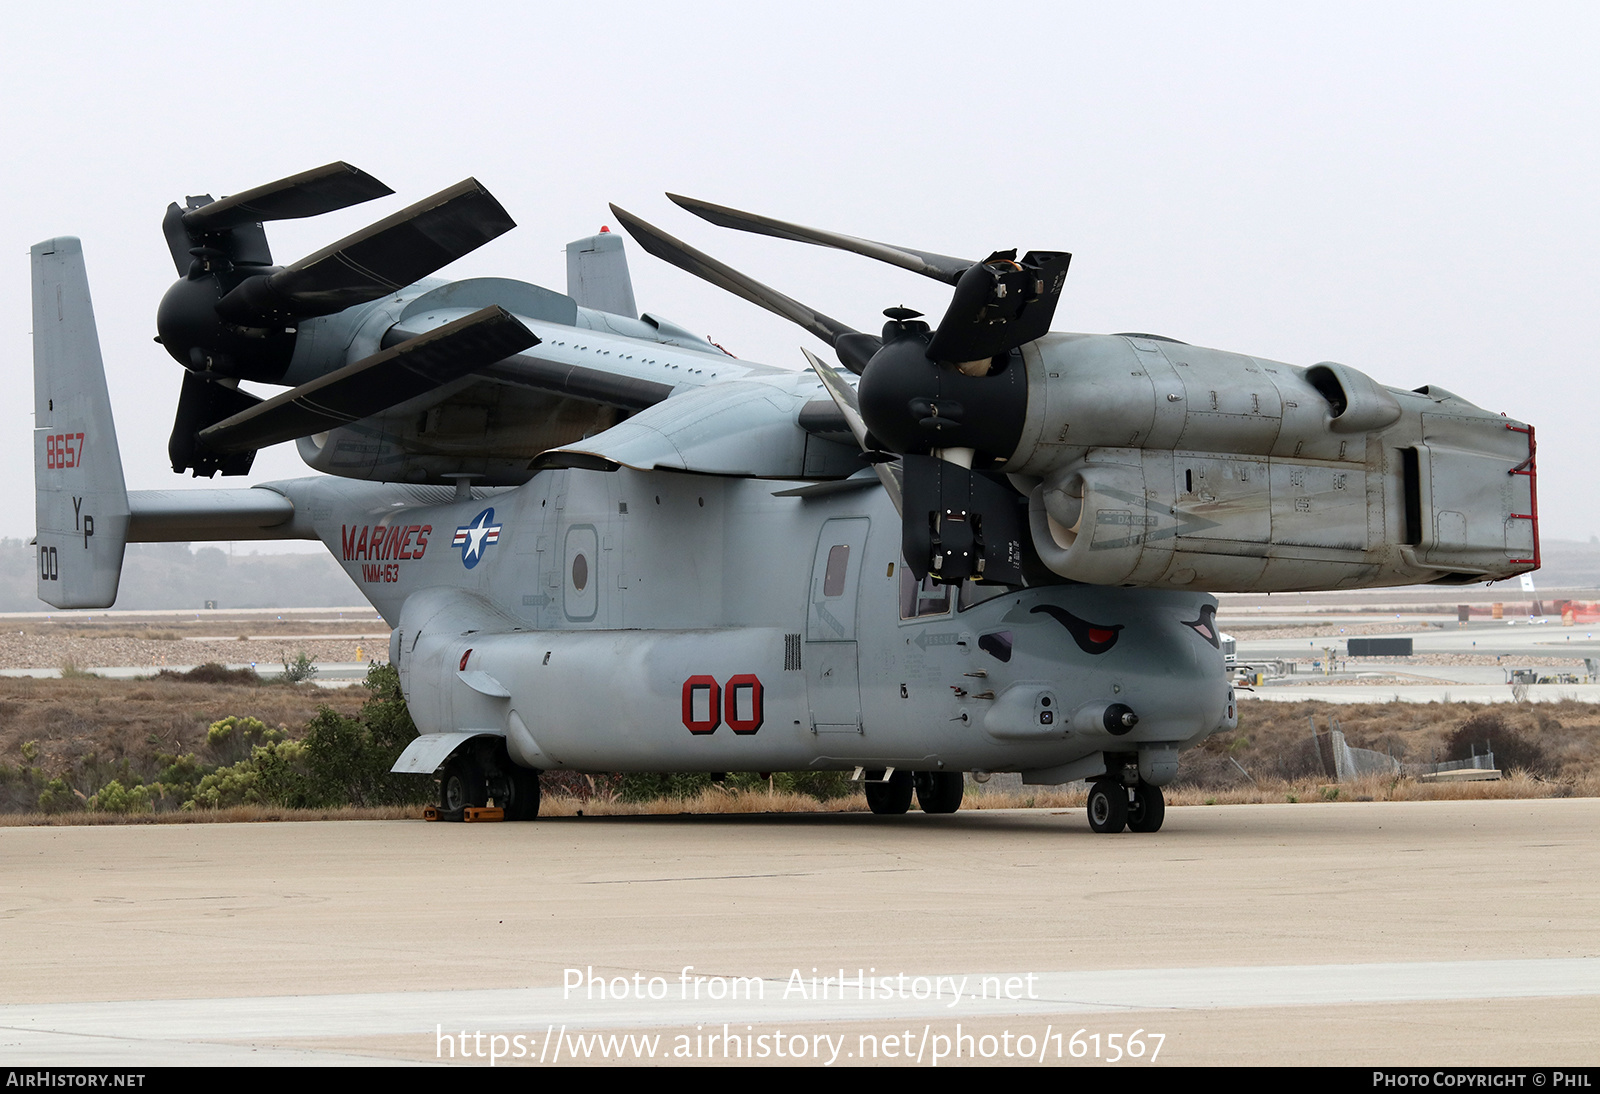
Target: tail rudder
pixel 81 499
pixel 597 274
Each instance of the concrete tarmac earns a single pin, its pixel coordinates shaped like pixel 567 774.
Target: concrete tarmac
pixel 1414 933
pixel 1493 639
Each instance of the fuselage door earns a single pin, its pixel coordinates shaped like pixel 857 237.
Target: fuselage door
pixel 835 577
pixel 832 677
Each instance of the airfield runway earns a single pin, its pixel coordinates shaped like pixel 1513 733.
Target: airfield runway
pixel 1427 933
pixel 1458 663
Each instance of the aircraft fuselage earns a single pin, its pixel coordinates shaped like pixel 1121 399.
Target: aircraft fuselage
pixel 797 638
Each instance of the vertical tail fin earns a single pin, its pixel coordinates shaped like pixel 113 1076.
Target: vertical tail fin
pixel 81 500
pixel 597 274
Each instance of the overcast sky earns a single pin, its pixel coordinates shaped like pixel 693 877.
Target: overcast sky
pixel 1408 189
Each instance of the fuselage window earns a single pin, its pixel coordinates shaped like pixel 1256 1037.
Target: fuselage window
pixel 838 565
pixel 580 573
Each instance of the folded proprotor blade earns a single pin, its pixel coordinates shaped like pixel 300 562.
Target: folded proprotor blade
pixel 927 263
pixel 374 384
pixel 308 194
pixel 854 348
pixel 379 259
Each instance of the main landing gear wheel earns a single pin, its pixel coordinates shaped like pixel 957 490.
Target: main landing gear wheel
pixel 1148 809
pixel 939 791
pixel 461 785
pixel 1108 806
pixel 890 798
pixel 522 802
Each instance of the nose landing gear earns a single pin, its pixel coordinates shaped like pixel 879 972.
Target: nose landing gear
pixel 1147 809
pixel 1113 807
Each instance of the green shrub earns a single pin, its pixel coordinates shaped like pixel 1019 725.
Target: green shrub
pixel 57 797
pixel 385 712
pixel 644 786
pixel 113 797
pixel 180 777
pixel 1512 750
pixel 298 671
pixel 822 785
pixel 348 759
pixel 340 761
pixel 274 774
pixel 233 738
pixel 212 672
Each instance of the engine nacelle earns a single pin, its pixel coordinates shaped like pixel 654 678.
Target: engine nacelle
pixel 1150 462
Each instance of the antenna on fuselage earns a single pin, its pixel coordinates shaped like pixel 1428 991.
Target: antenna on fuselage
pixel 463 483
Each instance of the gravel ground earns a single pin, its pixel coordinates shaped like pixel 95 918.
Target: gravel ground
pixel 1353 682
pixel 1246 631
pixel 46 651
pixel 1356 664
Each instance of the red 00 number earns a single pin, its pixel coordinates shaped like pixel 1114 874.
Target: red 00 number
pixel 706 704
pixel 63 450
pixel 702 705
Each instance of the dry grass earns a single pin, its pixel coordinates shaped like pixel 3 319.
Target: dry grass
pixel 1516 784
pixel 1384 788
pixel 169 629
pixel 83 720
pixel 1070 796
pixel 714 800
pixel 1271 741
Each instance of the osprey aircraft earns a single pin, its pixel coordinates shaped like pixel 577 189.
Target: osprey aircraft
pixel 604 544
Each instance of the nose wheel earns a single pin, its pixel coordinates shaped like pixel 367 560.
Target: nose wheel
pixel 1108 806
pixel 1147 809
pixel 1113 807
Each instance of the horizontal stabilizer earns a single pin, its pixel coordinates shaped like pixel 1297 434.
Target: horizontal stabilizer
pixel 374 384
pixel 181 516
